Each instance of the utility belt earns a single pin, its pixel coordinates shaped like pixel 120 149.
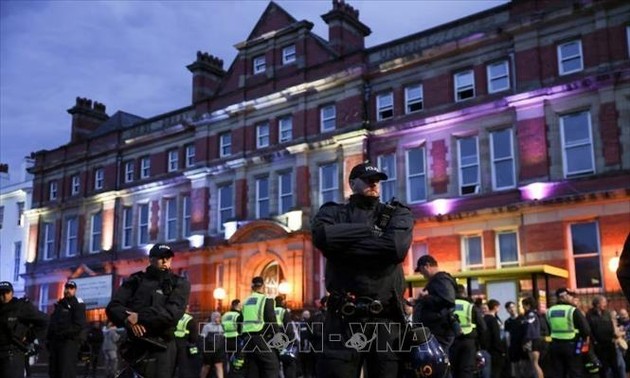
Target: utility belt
pixel 350 305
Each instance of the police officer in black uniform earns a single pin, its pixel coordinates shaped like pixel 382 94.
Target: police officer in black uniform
pixel 18 317
pixel 67 330
pixel 149 304
pixel 472 337
pixel 364 242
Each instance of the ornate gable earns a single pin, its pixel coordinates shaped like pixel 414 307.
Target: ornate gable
pixel 273 18
pixel 259 230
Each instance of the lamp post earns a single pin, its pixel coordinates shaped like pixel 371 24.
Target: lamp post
pixel 219 296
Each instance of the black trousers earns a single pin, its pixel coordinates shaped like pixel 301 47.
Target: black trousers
pixel 260 360
pixel 149 361
pixel 187 366
pixel 607 355
pixel 564 362
pixel 11 364
pixel 462 356
pixel 63 358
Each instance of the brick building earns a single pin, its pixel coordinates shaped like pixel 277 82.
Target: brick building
pixel 507 133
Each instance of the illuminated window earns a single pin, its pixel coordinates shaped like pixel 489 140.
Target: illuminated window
pixel 570 57
pixel 288 54
pixel 285 191
pixel 225 144
pixel 145 167
pixel 262 197
pixel 384 106
pixel 328 117
pixel 416 175
pixel 129 171
pixel 413 98
pixel 173 160
pixel 190 155
pixel 99 177
pixel 468 165
pixel 507 248
pixel 473 252
pixel 186 216
pixel 52 190
pixel 328 183
pixel 143 224
pixel 226 204
pixel 127 226
pixel 260 64
pixel 49 241
pixel 76 185
pixel 464 85
pixel 387 164
pixel 498 76
pixel 286 129
pixel 501 149
pixel 72 230
pixel 262 135
pixel 585 246
pixel 577 144
pixel 96 234
pixel 170 217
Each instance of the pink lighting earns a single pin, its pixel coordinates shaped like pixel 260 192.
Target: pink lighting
pixel 536 191
pixel 441 206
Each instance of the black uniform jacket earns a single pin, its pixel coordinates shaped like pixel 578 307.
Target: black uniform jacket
pixel 68 322
pixel 359 260
pixel 434 308
pixel 18 318
pixel 623 271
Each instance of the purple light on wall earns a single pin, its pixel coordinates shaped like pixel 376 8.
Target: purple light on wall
pixel 536 191
pixel 441 206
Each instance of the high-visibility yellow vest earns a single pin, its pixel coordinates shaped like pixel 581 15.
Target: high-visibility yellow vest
pixel 463 310
pixel 560 318
pixel 182 326
pixel 280 311
pixel 253 309
pixel 228 321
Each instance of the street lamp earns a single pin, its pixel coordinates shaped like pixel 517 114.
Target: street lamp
pixel 219 296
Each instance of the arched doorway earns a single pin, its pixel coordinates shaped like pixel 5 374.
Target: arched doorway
pixel 272 274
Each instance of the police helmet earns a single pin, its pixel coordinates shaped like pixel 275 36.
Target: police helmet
pixel 429 360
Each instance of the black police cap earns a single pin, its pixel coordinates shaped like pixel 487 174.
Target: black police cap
pixel 367 171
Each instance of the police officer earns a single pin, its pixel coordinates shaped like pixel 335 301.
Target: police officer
pixel 473 331
pixel 288 357
pixel 436 302
pixel 67 330
pixel 149 304
pixel 17 318
pixel 259 324
pixel 364 242
pixel 232 327
pixel 187 360
pixel 569 329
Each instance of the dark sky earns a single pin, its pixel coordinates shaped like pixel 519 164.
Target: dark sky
pixel 132 55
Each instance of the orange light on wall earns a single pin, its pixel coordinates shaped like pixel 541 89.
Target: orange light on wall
pixel 284 288
pixel 108 229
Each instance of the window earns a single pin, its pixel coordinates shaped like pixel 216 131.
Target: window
pixel 262 197
pixel 577 144
pixel 285 192
pixel 384 106
pixel 98 178
pixel 129 171
pixel 1 216
pixel 288 54
pixel 387 164
pixel 143 224
pixel 464 85
pixel 173 160
pixel 20 214
pixel 52 190
pixel 585 246
pixel 72 231
pixel 260 64
pixel 416 175
pixel 145 167
pixel 507 247
pixel 170 216
pixel 262 135
pixel 468 166
pixel 127 226
pixel 96 233
pixel 17 260
pixel 502 159
pixel 186 216
pixel 570 57
pixel 286 129
pixel 226 205
pixel 498 76
pixel 328 183
pixel 76 185
pixel 43 297
pixel 328 116
pixel 49 241
pixel 413 98
pixel 473 254
pixel 190 155
pixel 225 144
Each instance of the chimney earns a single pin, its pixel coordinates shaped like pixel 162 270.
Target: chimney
pixel 86 117
pixel 346 34
pixel 27 163
pixel 207 73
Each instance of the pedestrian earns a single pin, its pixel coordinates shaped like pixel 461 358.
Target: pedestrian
pixel 495 344
pixel 213 354
pixel 603 334
pixel 514 340
pixel 463 352
pixel 18 317
pixel 288 354
pixel 259 326
pixel 364 243
pixel 231 322
pixel 187 362
pixel 435 305
pixel 110 349
pixel 569 331
pixel 66 333
pixel 533 343
pixel 149 304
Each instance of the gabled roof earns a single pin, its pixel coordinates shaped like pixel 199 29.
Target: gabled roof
pixel 120 120
pixel 273 18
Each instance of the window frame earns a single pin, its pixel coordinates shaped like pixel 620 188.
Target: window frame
pixel 413 101
pixel 491 78
pixel 143 228
pixel 283 194
pixel 220 209
pixel 190 157
pixel 262 200
pixel 466 251
pixel 129 171
pixel 172 163
pixel 326 120
pixel 494 160
pixel 409 176
pixel 285 126
pixel 186 216
pixel 75 185
pixel 225 146
pixel 288 56
pixel 127 227
pixel 334 189
pixel 598 254
pixel 391 176
pixel 96 235
pixel 460 90
pixel 42 303
pixel 17 260
pixel 52 190
pixel 499 260
pixel 259 64
pixel 461 166
pixel 145 167
pixel 170 219
pixel 591 143
pixel 381 109
pixel 20 213
pixel 72 240
pixel 99 178
pixel 562 59
pixel 262 139
pixel 49 241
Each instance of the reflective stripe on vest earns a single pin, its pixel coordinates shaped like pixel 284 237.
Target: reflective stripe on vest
pixel 228 321
pixel 279 314
pixel 560 318
pixel 253 308
pixel 182 326
pixel 463 310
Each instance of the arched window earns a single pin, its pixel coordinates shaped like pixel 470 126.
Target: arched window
pixel 273 275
